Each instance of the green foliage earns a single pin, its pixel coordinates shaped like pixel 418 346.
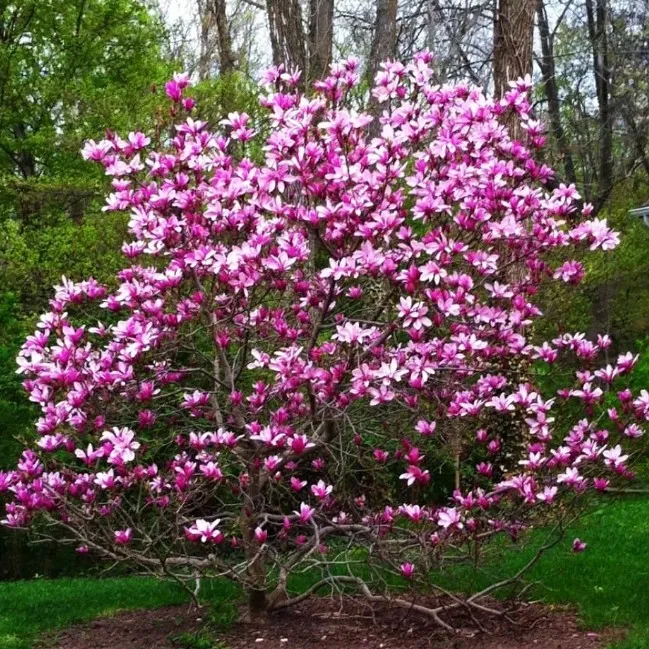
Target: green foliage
pixel 32 261
pixel 234 92
pixel 69 69
pixel 222 615
pixel 15 411
pixel 617 284
pixel 614 295
pixel 639 378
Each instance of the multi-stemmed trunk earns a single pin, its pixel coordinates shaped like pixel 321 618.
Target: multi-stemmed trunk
pixel 255 582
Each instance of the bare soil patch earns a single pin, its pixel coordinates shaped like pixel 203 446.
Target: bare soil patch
pixel 321 623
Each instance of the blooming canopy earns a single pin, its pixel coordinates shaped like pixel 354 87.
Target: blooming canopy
pixel 306 313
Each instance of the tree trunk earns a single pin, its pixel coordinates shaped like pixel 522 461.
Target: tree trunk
pixel 287 33
pixel 227 61
pixel 321 16
pixel 551 90
pixel 384 47
pixel 205 55
pixel 256 608
pixel 29 201
pixel 513 37
pixel 257 605
pixel 26 160
pixel 512 54
pixel 384 40
pixel 597 18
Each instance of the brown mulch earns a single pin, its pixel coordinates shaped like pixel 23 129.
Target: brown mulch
pixel 320 623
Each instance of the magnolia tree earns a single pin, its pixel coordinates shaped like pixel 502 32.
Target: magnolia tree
pixel 310 323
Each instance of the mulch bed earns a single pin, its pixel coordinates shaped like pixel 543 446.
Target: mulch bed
pixel 321 623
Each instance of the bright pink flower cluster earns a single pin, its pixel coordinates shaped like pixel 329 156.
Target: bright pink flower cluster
pixel 300 321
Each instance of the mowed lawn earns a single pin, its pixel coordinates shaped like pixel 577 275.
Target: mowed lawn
pixel 608 584
pixel 28 608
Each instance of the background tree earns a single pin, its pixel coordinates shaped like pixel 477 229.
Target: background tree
pixel 513 38
pixel 286 29
pixel 62 65
pixel 296 44
pixel 321 27
pixel 384 37
pixel 215 37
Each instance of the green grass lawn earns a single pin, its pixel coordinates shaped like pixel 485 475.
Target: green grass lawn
pixel 28 608
pixel 31 607
pixel 608 583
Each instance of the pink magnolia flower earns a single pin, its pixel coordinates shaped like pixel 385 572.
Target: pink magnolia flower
pixel 173 90
pixel 297 485
pixel 578 545
pixel 414 474
pixel 212 471
pixel 426 428
pixel 123 537
pixel 380 455
pixel 614 456
pixel 305 513
pixel 90 454
pixel 321 490
pixel 413 314
pixel 352 332
pixel 485 469
pixel 122 445
pixel 547 495
pixel 106 480
pixel 300 443
pixel 633 431
pixel 601 484
pixel 204 531
pixel 414 512
pixel 407 570
pixel 448 517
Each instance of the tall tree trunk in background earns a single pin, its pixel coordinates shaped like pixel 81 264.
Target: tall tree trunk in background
pixel 287 33
pixel 513 39
pixel 227 60
pixel 551 90
pixel 205 18
pixel 512 58
pixel 321 18
pixel 597 18
pixel 384 46
pixel 214 35
pixel 384 39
